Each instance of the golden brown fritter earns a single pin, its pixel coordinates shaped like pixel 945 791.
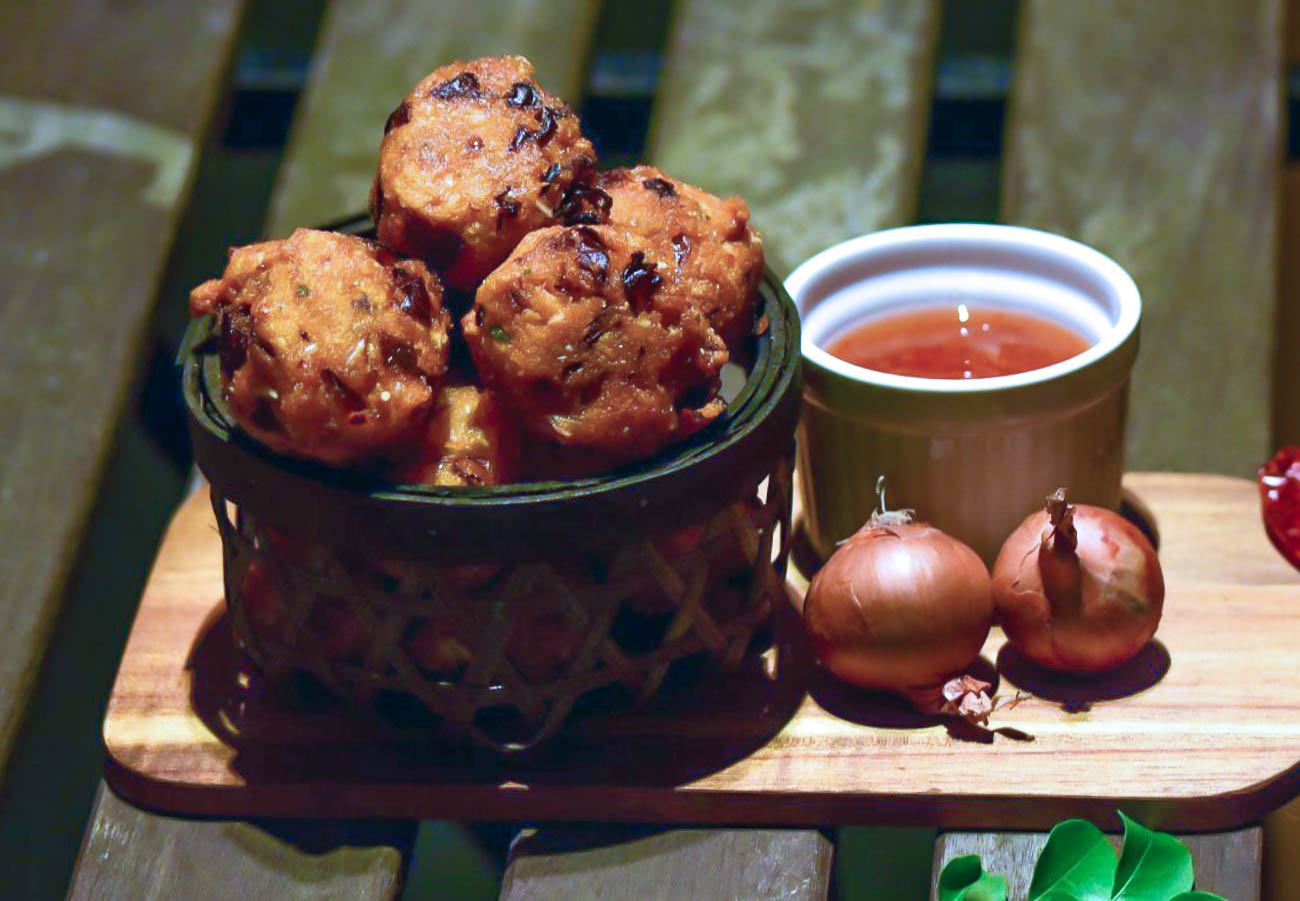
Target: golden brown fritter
pixel 474 158
pixel 438 645
pixel 470 440
pixel 541 646
pixel 331 348
pixel 585 333
pixel 718 257
pixel 331 629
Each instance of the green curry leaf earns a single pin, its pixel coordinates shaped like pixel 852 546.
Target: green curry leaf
pixel 1153 866
pixel 1077 862
pixel 963 879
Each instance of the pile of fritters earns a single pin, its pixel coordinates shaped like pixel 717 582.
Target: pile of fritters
pixel 597 308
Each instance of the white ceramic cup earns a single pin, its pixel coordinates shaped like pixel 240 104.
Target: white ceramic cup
pixel 972 457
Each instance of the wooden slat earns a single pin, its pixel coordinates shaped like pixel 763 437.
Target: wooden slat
pixel 212 860
pixel 1282 828
pixel 1226 863
pixel 1281 841
pixel 100 109
pixel 814 111
pixel 647 865
pixel 369 56
pixel 1286 360
pixel 1152 132
pixel 1286 335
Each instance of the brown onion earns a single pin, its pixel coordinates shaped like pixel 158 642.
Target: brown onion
pixel 1078 588
pixel 899 606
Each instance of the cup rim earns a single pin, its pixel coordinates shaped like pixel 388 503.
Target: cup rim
pixel 908 237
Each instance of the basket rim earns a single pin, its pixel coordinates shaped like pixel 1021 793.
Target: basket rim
pixel 772 377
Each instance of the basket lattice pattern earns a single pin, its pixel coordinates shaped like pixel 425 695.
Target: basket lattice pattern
pixel 501 653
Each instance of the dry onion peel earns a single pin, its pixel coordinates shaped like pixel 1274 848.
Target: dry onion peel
pixel 1078 588
pixel 900 606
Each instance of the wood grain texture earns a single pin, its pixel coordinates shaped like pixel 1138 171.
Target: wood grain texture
pixel 1227 863
pixel 128 855
pixel 1152 131
pixel 1211 743
pixel 814 111
pixel 664 865
pixel 95 156
pixel 371 54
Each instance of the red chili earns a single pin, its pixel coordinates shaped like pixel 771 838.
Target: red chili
pixel 1279 491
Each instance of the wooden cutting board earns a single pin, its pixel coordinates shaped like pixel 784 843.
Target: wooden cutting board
pixel 1202 731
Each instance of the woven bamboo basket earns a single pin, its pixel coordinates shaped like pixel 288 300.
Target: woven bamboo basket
pixel 495 613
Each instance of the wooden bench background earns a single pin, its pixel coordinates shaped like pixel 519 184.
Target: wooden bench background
pixel 1152 131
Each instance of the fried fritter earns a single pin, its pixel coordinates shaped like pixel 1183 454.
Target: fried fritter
pixel 470 440
pixel 332 628
pixel 541 645
pixel 331 348
pixel 718 257
pixel 585 333
pixel 474 158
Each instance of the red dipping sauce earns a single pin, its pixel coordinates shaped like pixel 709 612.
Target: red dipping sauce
pixel 958 342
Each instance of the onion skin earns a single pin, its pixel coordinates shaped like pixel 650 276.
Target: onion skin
pixel 899 606
pixel 1101 603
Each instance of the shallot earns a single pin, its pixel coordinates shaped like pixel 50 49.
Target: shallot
pixel 1078 588
pixel 900 606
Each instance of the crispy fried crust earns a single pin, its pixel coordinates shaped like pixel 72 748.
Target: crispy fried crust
pixel 718 258
pixel 475 157
pixel 470 440
pixel 331 348
pixel 584 331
